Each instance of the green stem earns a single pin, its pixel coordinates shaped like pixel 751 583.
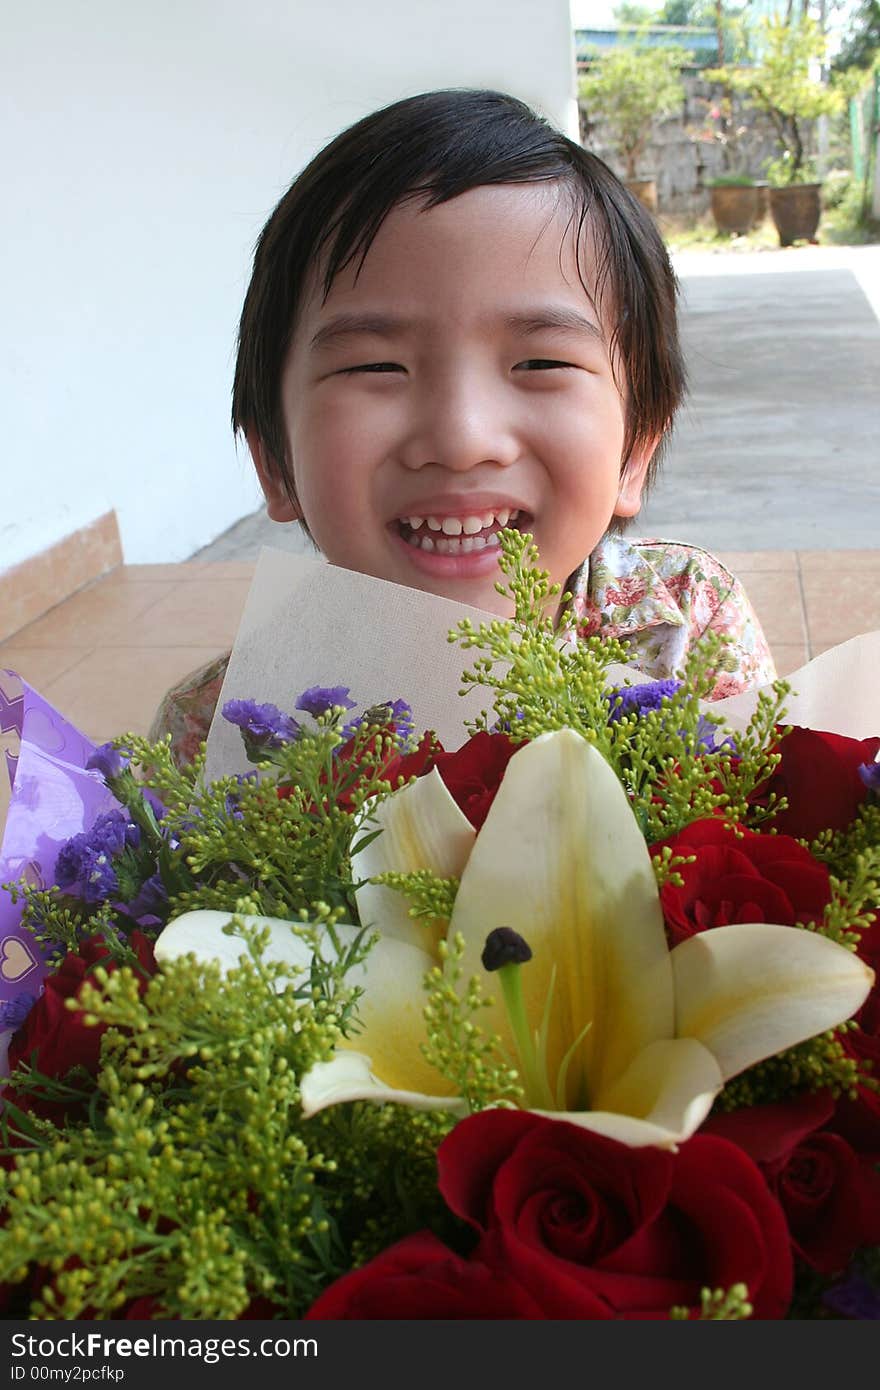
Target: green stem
pixel 537 1089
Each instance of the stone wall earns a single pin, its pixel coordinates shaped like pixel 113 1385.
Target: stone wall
pixel 682 163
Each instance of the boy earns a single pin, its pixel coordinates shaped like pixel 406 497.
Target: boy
pixel 457 320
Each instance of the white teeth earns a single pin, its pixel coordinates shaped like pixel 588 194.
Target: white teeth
pixel 415 522
pixel 434 524
pixel 471 525
pixel 451 526
pixel 503 517
pixel 451 545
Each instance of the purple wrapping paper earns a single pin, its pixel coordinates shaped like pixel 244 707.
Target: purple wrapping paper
pixel 52 797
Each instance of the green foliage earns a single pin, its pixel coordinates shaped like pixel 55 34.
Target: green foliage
pixel 628 88
pixel 194 1178
pixel 540 684
pixel 718 1305
pixel 780 83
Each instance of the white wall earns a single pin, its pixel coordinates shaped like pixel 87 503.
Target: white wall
pixel 144 145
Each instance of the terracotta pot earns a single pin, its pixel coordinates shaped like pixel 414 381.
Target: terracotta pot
pixel 763 190
pixel 736 207
pixel 796 210
pixel 645 190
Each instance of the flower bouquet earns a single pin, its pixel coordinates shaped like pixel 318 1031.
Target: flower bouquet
pixel 576 1021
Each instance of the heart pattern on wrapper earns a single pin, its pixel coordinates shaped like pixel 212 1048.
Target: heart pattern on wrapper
pixel 16 959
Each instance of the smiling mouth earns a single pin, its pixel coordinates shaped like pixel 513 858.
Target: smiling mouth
pixel 461 535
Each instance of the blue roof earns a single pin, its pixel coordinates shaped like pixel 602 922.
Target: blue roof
pixel 696 40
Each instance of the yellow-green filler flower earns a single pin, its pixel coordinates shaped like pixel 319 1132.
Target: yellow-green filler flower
pixel 607 1027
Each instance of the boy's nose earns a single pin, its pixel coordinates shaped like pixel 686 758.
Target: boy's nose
pixel 459 425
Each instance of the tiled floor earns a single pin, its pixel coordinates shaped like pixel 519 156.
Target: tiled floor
pixel 106 655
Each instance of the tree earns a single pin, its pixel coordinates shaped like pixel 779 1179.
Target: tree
pixel 627 88
pixel 781 85
pixel 861 46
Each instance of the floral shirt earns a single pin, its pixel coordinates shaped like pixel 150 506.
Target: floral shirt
pixel 656 596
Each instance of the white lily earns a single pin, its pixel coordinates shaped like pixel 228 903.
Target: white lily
pixel 638 1040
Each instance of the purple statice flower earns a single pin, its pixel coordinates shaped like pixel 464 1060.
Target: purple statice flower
pixel 108 761
pixel 14 1011
pixel 262 725
pixel 232 799
pixel 707 732
pixel 855 1297
pixel 319 699
pixel 153 801
pixel 870 775
pixel 638 699
pixel 86 858
pixel 149 905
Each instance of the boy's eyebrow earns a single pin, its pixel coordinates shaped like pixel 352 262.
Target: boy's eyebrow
pixel 554 316
pixel 350 325
pixel 385 325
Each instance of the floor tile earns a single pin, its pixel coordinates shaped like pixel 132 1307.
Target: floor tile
pixel 186 572
pixel 118 689
pixel 840 604
pixel 789 656
pixel 94 616
pixel 39 665
pixel 832 561
pixel 203 613
pixel 747 561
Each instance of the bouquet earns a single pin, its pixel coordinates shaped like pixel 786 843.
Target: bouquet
pixel 575 1021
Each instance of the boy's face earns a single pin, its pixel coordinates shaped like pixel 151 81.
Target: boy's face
pixel 462 379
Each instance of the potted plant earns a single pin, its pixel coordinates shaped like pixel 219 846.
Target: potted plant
pixel 781 85
pixel 626 89
pixel 738 200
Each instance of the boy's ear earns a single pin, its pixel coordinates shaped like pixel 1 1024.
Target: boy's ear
pixel 278 505
pixel 632 479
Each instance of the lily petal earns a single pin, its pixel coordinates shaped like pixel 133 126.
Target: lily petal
pixel 422 828
pixel 752 990
pixel 561 860
pixel 390 1011
pixel 201 934
pixel 670 1084
pixel 348 1076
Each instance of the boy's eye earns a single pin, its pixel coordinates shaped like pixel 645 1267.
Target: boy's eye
pixel 373 367
pixel 540 364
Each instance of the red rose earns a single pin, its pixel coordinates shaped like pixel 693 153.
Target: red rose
pixel 421 1278
pixel 594 1229
pixel 473 774
pixel 830 1196
pixel 58 1036
pixel 819 777
pixel 759 878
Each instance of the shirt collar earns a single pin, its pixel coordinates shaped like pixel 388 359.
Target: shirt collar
pixel 621 590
